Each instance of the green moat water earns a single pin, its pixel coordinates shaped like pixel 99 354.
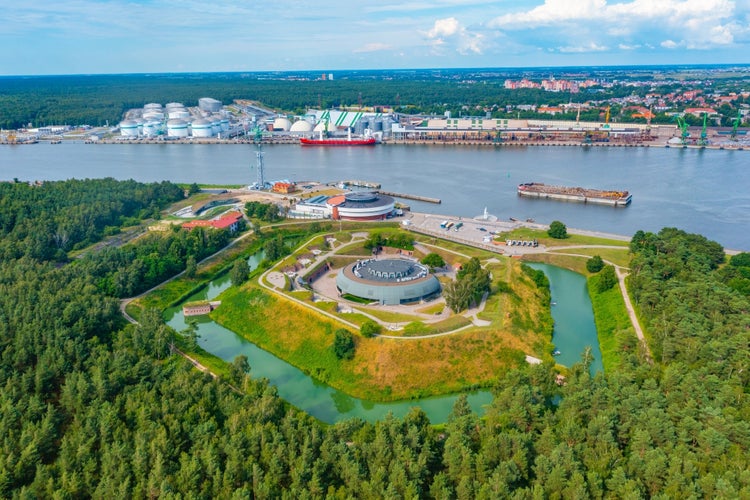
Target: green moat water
pixel 331 405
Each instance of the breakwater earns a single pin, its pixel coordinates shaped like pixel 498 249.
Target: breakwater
pixel 411 197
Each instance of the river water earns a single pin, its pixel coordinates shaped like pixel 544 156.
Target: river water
pixel 574 329
pixel 700 191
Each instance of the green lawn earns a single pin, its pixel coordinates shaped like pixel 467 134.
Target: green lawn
pixel 572 239
pixel 613 325
pixel 620 257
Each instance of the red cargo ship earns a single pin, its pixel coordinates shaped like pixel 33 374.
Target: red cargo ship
pixel 338 141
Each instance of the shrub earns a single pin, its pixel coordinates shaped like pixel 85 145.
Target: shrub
pixel 433 260
pixel 594 264
pixel 343 344
pixel 369 329
pixel 557 230
pixel 607 279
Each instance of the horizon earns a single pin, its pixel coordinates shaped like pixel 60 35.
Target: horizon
pixel 319 71
pixel 166 37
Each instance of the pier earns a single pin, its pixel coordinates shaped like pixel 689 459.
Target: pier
pixel 416 197
pixel 357 183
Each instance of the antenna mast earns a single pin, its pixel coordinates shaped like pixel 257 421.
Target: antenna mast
pixel 260 181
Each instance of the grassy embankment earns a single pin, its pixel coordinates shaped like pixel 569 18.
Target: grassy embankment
pixel 392 369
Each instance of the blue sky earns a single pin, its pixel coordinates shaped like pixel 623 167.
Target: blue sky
pixel 143 36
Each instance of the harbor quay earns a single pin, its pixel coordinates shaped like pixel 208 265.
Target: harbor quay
pixel 481 231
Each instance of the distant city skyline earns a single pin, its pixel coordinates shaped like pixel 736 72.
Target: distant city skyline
pixel 147 36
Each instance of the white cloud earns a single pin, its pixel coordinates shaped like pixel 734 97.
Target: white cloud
pixel 444 28
pixel 697 24
pixel 578 49
pixel 372 47
pixel 448 33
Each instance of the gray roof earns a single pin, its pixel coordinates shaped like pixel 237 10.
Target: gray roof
pixel 388 281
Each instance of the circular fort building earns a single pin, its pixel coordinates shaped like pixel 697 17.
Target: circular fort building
pixel 361 205
pixel 388 281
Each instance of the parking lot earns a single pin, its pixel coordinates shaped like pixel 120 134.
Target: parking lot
pixel 477 232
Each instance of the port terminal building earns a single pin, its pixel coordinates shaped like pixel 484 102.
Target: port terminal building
pixel 504 129
pixel 354 205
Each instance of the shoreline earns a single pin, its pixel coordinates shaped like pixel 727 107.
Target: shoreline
pixel 411 142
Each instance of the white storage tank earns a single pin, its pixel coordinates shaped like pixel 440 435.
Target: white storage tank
pixel 179 114
pixel 301 126
pixel 209 105
pixel 153 115
pixel 215 125
pixel 152 106
pixel 224 125
pixel 321 127
pixel 151 128
pixel 172 105
pixel 282 123
pixel 202 128
pixel 129 128
pixel 177 128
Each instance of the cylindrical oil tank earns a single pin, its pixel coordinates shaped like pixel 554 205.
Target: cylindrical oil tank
pixel 153 115
pixel 171 105
pixel 152 106
pixel 209 105
pixel 215 125
pixel 151 127
pixel 177 128
pixel 202 128
pixel 179 114
pixel 129 128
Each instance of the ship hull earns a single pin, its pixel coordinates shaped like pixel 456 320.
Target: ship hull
pixel 338 142
pixel 575 194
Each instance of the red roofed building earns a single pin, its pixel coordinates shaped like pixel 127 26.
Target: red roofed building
pixel 284 187
pixel 230 220
pixel 699 111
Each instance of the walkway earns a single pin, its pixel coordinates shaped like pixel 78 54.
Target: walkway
pixel 621 275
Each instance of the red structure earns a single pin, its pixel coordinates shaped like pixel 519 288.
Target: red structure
pixel 229 221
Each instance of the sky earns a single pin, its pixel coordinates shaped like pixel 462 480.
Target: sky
pixel 149 36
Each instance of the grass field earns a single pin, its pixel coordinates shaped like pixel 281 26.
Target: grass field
pixel 614 329
pixel 386 369
pixel 572 239
pixel 577 264
pixel 620 257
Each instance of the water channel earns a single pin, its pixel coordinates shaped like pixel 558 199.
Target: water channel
pixel 575 328
pixel 331 405
pixel 701 191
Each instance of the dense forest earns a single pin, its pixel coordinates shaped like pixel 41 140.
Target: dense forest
pixel 93 407
pixel 100 99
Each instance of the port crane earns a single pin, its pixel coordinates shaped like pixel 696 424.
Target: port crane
pixel 735 124
pixel 684 134
pixel 703 141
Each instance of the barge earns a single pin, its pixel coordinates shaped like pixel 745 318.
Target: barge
pixel 576 194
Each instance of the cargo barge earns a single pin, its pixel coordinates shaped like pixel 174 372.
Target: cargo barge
pixel 576 194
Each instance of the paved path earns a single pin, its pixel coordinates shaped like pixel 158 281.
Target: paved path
pixel 621 275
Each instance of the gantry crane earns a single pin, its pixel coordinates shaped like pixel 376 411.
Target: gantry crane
pixel 735 125
pixel 703 141
pixel 684 134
